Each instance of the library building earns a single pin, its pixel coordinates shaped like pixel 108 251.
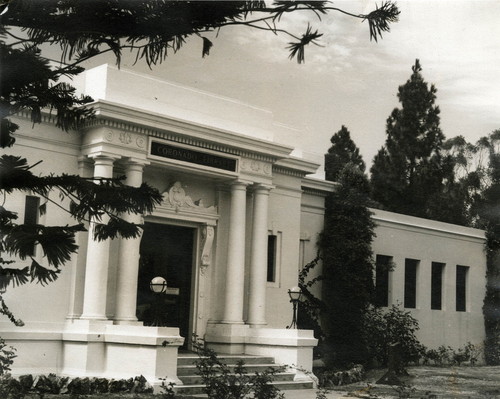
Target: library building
pixel 219 258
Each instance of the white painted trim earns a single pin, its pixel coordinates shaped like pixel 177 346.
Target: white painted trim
pixel 134 116
pixel 425 226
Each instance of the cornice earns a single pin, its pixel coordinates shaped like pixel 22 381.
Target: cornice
pixel 156 125
pixel 405 222
pixel 295 167
pixel 319 187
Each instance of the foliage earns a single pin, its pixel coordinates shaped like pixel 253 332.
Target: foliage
pixel 410 174
pixel 99 200
pixel 345 246
pixel 445 355
pixel 342 151
pixel 7 356
pixel 27 385
pixel 310 307
pixel 223 381
pixel 385 327
pixel 478 167
pixel 330 378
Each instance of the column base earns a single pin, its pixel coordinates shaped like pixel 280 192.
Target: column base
pixel 127 322
pixel 257 324
pixel 293 348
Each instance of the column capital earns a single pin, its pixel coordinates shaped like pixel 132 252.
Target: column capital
pixel 129 161
pixel 103 156
pixel 262 187
pixel 241 182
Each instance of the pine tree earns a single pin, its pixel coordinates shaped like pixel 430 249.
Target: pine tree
pixel 342 152
pixel 29 82
pixel 410 175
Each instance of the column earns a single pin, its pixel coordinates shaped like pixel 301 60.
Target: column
pixel 128 256
pixel 258 265
pixel 235 273
pixel 85 169
pixel 96 273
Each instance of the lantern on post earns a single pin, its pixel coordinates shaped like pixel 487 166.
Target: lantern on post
pixel 295 294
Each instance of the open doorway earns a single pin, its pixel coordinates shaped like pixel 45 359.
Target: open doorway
pixel 166 251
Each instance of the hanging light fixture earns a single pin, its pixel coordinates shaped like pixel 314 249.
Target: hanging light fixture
pixel 158 285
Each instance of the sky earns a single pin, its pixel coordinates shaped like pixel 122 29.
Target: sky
pixel 351 80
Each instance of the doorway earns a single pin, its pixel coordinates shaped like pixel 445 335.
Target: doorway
pixel 166 251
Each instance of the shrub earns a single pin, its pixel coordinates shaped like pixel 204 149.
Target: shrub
pixel 7 355
pixel 394 326
pixel 445 355
pixel 221 381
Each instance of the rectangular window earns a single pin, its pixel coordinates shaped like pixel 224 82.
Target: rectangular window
pixel 271 258
pixel 437 285
pixel 31 214
pixel 382 268
pixel 411 266
pixel 461 288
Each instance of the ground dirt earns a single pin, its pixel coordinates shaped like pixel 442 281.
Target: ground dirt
pixel 427 382
pixel 424 382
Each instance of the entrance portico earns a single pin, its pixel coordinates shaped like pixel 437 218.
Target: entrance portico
pixel 230 190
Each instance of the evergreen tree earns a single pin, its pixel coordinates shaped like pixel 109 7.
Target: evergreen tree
pixel 410 175
pixel 342 152
pixel 347 274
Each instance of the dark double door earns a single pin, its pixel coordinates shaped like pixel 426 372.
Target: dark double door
pixel 166 251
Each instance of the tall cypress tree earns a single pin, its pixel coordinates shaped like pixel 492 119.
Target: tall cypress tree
pixel 347 268
pixel 342 152
pixel 409 173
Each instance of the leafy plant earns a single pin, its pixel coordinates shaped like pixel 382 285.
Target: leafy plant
pixel 394 326
pixel 223 381
pixel 7 356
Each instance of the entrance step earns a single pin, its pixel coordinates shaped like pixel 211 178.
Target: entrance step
pixel 192 383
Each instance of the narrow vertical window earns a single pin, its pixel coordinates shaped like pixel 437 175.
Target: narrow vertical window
pixel 437 285
pixel 31 214
pixel 382 267
pixel 461 288
pixel 410 300
pixel 271 258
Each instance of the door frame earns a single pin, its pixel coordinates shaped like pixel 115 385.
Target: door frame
pixel 197 301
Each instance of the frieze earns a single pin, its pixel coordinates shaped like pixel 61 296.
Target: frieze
pixel 121 138
pixel 256 167
pixel 125 138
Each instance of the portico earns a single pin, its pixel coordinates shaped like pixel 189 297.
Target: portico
pixel 227 186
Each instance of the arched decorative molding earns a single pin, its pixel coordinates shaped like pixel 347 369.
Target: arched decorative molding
pixel 207 235
pixel 176 197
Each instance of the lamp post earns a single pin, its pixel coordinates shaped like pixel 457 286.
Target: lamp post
pixel 295 294
pixel 158 286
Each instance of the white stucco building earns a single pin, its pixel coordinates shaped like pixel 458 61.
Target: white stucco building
pixel 240 216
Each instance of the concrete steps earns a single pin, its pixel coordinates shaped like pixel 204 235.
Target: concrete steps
pixel 192 382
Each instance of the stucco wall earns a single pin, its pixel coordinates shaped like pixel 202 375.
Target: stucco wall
pixel 405 237
pixel 58 152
